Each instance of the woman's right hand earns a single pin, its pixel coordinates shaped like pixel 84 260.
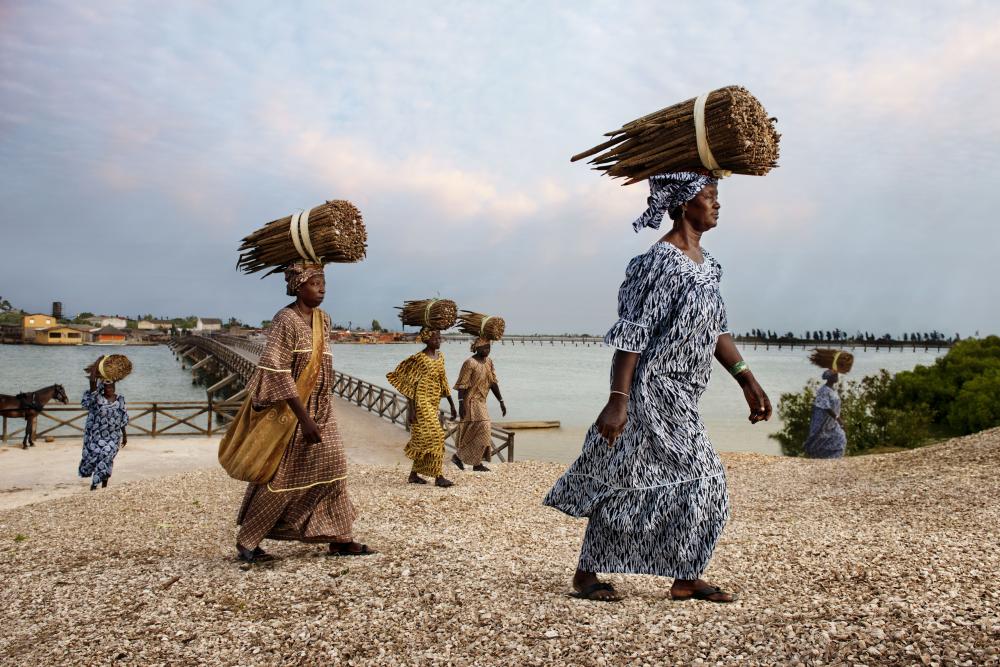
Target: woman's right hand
pixel 611 421
pixel 310 431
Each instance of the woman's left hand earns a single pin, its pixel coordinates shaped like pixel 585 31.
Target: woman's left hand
pixel 124 439
pixel 757 400
pixel 454 415
pixel 503 408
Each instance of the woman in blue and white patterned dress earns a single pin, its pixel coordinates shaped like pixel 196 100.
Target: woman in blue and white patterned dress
pixel 104 431
pixel 827 439
pixel 648 479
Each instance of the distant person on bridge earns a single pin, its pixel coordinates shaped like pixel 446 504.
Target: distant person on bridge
pixel 476 380
pixel 421 378
pixel 648 479
pixel 827 439
pixel 307 498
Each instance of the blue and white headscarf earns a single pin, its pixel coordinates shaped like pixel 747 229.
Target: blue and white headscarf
pixel 668 191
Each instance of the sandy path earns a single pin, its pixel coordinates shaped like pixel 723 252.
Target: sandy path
pixel 48 470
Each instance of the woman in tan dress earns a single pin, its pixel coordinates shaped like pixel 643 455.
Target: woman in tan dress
pixel 307 498
pixel 475 381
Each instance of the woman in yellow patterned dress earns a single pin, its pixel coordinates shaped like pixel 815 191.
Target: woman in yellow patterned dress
pixel 422 379
pixel 475 381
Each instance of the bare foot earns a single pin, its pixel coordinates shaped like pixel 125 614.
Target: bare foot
pixel 414 478
pixel 457 461
pixel 480 468
pixel 443 483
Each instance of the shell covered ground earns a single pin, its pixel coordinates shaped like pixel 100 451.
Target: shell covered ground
pixel 878 560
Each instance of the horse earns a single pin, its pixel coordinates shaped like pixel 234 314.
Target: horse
pixel 28 405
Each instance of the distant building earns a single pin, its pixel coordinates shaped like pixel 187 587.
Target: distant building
pixel 107 321
pixel 36 322
pixel 208 324
pixel 63 335
pixel 153 325
pixel 109 335
pixel 57 309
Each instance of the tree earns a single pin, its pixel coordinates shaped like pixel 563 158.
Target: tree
pixel 5 305
pixel 376 326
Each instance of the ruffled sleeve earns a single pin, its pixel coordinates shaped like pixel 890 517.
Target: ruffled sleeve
pixel 406 376
pixel 824 399
pixel 89 399
pixel 275 366
pixel 631 332
pixel 465 376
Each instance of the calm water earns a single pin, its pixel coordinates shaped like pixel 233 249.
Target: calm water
pixel 157 375
pixel 568 383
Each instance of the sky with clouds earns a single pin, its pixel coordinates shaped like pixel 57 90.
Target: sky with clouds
pixel 139 141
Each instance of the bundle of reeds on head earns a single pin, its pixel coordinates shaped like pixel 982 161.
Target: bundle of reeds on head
pixel 114 367
pixel 735 129
pixel 489 327
pixel 437 314
pixel 837 361
pixel 331 232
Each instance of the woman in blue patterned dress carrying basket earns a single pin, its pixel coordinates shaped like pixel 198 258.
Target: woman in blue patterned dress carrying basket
pixel 648 479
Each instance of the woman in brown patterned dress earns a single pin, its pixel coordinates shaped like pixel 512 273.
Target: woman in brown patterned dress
pixel 475 381
pixel 307 498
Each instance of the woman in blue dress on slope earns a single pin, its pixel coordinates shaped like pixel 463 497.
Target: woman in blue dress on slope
pixel 648 479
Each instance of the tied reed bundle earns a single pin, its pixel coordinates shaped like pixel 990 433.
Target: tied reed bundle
pixel 114 367
pixel 481 326
pixel 837 361
pixel 336 233
pixel 437 314
pixel 740 135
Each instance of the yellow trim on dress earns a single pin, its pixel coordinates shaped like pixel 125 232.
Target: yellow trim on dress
pixel 275 370
pixel 300 488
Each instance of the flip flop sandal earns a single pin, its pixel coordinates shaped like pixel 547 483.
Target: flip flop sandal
pixel 587 593
pixel 342 551
pixel 705 594
pixel 256 556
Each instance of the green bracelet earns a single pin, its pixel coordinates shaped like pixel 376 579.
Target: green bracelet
pixel 739 367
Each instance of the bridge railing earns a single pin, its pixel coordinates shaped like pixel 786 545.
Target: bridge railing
pixel 394 407
pixel 159 418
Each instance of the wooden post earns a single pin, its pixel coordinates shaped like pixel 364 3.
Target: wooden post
pixel 154 421
pixel 5 429
pixel 211 412
pixel 510 447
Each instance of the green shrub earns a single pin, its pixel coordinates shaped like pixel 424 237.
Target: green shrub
pixel 977 406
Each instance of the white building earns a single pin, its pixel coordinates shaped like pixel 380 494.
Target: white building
pixel 153 325
pixel 208 324
pixel 102 321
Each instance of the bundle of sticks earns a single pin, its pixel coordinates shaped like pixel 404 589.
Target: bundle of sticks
pixel 837 361
pixel 114 367
pixel 739 135
pixel 489 327
pixel 331 232
pixel 437 314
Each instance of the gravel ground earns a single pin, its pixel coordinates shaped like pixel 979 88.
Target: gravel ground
pixel 878 560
